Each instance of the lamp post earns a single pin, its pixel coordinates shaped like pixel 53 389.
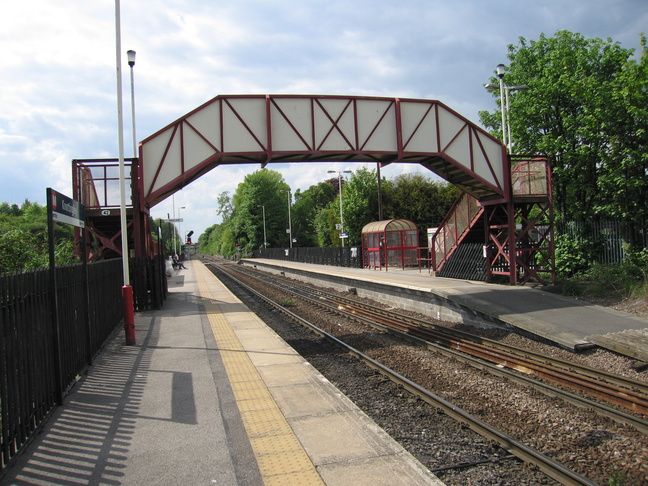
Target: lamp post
pixel 131 63
pixel 265 239
pixel 339 173
pixel 180 226
pixel 500 74
pixel 127 290
pixel 504 103
pixel 290 238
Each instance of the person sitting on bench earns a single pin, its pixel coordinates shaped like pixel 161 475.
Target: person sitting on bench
pixel 177 264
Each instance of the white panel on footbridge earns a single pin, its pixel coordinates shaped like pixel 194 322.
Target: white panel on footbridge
pixel 301 128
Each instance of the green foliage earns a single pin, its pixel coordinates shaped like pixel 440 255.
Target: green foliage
pixel 586 107
pixel 22 250
pixel 419 199
pixel 303 220
pixel 308 205
pixel 325 222
pixel 265 188
pixel 617 478
pixel 360 203
pixel 23 238
pixel 316 211
pixel 225 208
pixel 574 254
pixel 611 280
pixel 170 236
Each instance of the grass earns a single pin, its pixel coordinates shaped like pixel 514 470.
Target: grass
pixel 610 284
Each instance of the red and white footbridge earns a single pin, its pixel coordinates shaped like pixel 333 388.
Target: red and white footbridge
pixel 266 129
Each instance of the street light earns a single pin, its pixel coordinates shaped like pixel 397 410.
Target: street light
pixel 131 63
pixel 504 103
pixel 500 74
pixel 265 240
pixel 339 173
pixel 127 289
pixel 179 227
pixel 289 218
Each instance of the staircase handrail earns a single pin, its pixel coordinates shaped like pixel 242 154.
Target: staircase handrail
pixel 453 228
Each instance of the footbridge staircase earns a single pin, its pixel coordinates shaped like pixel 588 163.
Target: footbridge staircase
pixel 482 241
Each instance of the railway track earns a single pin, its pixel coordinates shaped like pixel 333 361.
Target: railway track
pixel 626 393
pixel 529 455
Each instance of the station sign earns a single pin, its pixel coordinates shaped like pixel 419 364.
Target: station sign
pixel 65 210
pixel 344 235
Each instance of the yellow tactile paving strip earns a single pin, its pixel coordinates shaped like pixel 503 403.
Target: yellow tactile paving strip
pixel 280 456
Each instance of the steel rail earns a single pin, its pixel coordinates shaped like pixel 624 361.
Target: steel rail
pixel 459 352
pixel 624 397
pixel 612 378
pixel 629 383
pixel 551 468
pixel 477 362
pixel 624 392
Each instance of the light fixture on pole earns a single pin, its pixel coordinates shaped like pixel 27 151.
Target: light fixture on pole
pixel 339 173
pixel 180 226
pixel 265 239
pixel 131 63
pixel 127 290
pixel 289 218
pixel 504 103
pixel 500 74
pixel 507 89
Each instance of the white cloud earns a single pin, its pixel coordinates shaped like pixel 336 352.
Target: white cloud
pixel 58 85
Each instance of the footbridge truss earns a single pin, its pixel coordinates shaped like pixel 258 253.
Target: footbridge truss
pixel 266 129
pixel 284 128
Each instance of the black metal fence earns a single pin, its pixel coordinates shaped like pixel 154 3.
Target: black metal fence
pixel 337 256
pixel 149 282
pixel 609 237
pixel 42 351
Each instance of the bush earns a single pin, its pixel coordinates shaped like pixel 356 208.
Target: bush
pixel 23 250
pixel 574 255
pixel 611 280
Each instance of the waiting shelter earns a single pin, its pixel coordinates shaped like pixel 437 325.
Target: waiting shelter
pixel 390 243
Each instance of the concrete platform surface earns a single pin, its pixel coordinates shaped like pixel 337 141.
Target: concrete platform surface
pixel 209 395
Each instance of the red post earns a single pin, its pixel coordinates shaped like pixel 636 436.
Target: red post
pixel 129 314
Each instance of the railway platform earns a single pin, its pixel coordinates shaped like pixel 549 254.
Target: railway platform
pixel 561 320
pixel 209 395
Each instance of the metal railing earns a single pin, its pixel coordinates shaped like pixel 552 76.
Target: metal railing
pixel 41 356
pixel 336 256
pixel 455 226
pixel 610 237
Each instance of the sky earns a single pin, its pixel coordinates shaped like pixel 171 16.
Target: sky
pixel 58 74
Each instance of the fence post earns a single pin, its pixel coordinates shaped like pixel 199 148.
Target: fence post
pixel 58 390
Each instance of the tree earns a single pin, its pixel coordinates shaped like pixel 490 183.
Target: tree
pixel 420 199
pixel 585 107
pixel 360 203
pixel 225 208
pixel 623 178
pixel 203 239
pixel 261 188
pixel 24 238
pixel 308 205
pixel 325 221
pixel 169 234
